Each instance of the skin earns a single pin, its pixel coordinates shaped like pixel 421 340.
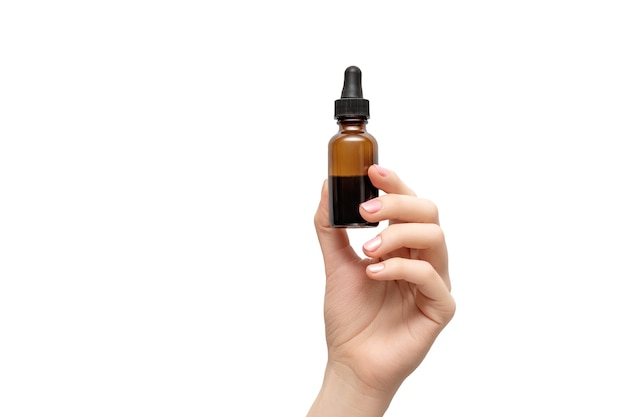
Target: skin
pixel 383 312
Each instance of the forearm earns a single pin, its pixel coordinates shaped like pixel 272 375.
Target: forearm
pixel 342 394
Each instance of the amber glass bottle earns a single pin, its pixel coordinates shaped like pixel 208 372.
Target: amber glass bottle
pixel 350 153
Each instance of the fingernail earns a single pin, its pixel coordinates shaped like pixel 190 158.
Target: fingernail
pixel 376 267
pixel 373 244
pixel 372 206
pixel 382 171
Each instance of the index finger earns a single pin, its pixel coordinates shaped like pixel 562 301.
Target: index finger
pixel 388 181
pixel 403 206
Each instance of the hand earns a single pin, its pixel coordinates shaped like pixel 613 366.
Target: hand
pixel 382 313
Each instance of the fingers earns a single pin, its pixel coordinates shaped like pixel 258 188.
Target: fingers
pixel 426 238
pixel 413 230
pixel 432 295
pixel 332 240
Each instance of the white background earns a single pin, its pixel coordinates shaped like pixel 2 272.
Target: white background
pixel 161 161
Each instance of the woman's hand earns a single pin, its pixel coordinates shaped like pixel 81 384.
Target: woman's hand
pixel 382 313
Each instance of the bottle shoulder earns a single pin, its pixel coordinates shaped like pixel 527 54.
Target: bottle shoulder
pixel 353 136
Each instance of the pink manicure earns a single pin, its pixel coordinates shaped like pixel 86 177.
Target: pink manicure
pixel 372 206
pixel 382 171
pixel 373 244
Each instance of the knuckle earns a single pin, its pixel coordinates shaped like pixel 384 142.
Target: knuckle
pixel 431 210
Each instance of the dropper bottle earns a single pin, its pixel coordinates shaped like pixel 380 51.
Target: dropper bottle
pixel 351 151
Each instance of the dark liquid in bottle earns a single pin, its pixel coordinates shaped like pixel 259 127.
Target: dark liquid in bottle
pixel 347 194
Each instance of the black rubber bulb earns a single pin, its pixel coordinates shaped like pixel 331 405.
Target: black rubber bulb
pixel 352 87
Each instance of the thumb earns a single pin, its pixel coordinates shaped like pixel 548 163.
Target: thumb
pixel 334 242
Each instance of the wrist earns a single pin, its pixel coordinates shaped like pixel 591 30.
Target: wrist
pixel 344 394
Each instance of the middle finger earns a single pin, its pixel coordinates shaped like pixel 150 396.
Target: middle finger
pixel 426 238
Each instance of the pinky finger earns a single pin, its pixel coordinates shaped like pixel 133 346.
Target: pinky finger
pixel 432 294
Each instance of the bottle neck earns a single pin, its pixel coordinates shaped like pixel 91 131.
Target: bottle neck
pixel 353 124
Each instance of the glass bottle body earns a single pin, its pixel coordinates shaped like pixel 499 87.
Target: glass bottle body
pixel 350 153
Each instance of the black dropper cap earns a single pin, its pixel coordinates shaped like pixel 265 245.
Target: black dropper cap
pixel 352 103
